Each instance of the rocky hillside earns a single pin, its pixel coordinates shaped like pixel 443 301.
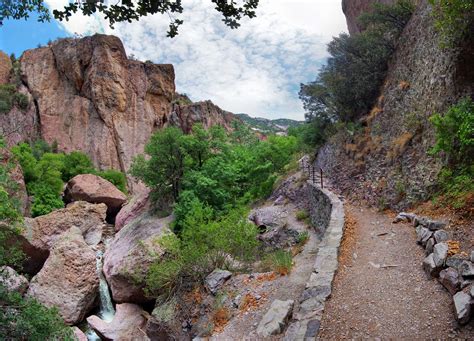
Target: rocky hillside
pixel 386 162
pixel 267 126
pixel 354 8
pixel 86 95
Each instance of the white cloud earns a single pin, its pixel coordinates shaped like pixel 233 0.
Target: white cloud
pixel 255 69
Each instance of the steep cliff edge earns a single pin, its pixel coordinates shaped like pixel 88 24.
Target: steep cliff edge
pixel 354 8
pixel 386 162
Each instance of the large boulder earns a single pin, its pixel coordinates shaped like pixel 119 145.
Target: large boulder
pixel 462 307
pixel 13 281
pixel 130 254
pixel 129 323
pixel 96 190
pixel 137 205
pixel 68 279
pixel 276 318
pixel 41 233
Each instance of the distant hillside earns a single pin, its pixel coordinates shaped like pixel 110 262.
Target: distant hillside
pixel 269 126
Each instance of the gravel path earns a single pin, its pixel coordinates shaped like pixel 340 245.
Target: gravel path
pixel 373 301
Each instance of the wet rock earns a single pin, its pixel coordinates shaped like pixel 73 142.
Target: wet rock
pixel 13 281
pixel 435 225
pixel 68 279
pixel 466 269
pixel 441 236
pixel 440 253
pixel 429 266
pixel 462 306
pixel 216 279
pixel 130 254
pixel 129 323
pixel 41 233
pixel 450 279
pixel 94 189
pixel 429 246
pixel 139 204
pixel 276 318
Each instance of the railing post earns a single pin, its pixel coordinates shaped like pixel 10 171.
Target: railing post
pixel 321 173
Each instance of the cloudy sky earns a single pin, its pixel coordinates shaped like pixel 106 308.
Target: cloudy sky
pixel 255 69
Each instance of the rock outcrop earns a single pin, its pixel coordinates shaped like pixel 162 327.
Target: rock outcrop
pixel 129 323
pixel 354 8
pixel 68 279
pixel 41 233
pixel 89 96
pixel 13 281
pixel 5 68
pixel 130 254
pixel 205 112
pixel 137 205
pixel 96 190
pixel 387 163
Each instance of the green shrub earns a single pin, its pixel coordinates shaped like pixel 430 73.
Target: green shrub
pixel 279 261
pixel 76 163
pixel 10 97
pixel 115 177
pixel 302 215
pixel 454 19
pixel 26 319
pixel 45 199
pixel 302 238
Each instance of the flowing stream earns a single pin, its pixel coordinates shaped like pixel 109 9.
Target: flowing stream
pixel 106 311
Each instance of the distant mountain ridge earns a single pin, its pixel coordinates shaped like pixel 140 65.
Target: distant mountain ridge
pixel 267 126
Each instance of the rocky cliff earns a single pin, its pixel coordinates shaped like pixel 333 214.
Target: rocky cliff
pixel 386 162
pixel 353 8
pixel 86 95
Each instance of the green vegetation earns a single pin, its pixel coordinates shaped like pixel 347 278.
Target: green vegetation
pixel 454 19
pixel 279 261
pixel 211 168
pixel 455 141
pixel 9 97
pixel 125 11
pixel 347 86
pixel 302 238
pixel 20 318
pixel 211 177
pixel 45 171
pixel 267 126
pixel 302 215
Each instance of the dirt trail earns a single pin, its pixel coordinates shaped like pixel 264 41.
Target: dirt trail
pixel 370 300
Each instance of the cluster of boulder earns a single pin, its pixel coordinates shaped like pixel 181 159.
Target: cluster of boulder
pixel 454 270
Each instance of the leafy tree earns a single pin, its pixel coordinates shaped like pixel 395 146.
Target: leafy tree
pixel 163 171
pixel 115 177
pixel 197 145
pixel 126 10
pixel 76 163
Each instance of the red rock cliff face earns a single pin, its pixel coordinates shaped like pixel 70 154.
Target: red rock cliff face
pixel 354 8
pixel 89 96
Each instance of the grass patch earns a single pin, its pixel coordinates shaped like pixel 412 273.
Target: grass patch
pixel 302 215
pixel 279 261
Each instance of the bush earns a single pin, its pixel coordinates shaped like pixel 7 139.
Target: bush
pixel 45 199
pixel 10 97
pixel 302 215
pixel 115 177
pixel 454 19
pixel 76 163
pixel 26 319
pixel 279 261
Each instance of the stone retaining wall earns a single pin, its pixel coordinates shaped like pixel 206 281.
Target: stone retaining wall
pixel 327 215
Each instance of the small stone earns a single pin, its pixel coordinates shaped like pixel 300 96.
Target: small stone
pixel 466 269
pixel 236 301
pixel 465 283
pixel 441 236
pixel 12 281
pixel 449 278
pixel 455 261
pixel 462 305
pixel 429 266
pixel 434 225
pixel 429 246
pixel 276 318
pixel 423 236
pixel 279 201
pixel 216 279
pixel 440 253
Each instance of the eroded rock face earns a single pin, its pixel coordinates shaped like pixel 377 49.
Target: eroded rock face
pixel 68 279
pixel 130 254
pixel 354 8
pixel 136 206
pixel 96 190
pixel 5 68
pixel 91 97
pixel 41 233
pixel 129 323
pixel 205 112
